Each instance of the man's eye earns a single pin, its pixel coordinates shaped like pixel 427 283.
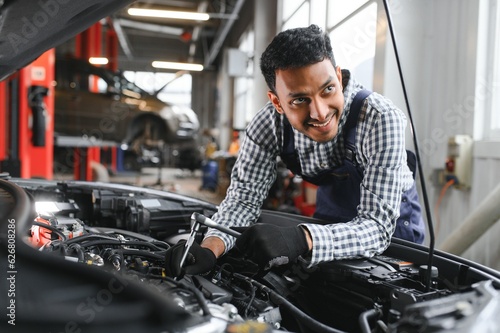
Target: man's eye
pixel 298 101
pixel 329 89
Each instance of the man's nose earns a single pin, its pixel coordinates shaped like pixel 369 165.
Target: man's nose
pixel 318 109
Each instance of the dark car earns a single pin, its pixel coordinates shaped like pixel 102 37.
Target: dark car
pixel 116 109
pixel 93 255
pixel 94 102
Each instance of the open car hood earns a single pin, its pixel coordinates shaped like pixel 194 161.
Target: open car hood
pixel 29 28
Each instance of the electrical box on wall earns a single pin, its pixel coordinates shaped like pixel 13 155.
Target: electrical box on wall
pixel 459 161
pixel 237 63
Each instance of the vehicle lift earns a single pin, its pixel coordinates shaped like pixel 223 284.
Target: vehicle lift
pixel 27 115
pixel 26 120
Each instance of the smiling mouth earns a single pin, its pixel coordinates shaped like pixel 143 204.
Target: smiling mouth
pixel 322 124
pixel 326 123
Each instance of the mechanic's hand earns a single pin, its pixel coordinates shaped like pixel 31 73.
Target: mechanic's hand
pixel 198 261
pixel 268 245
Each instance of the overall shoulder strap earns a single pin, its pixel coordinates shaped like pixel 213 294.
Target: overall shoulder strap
pixel 288 154
pixel 350 125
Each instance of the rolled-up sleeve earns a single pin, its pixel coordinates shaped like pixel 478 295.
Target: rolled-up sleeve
pixel 252 176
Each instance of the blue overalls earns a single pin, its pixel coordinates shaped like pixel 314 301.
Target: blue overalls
pixel 339 188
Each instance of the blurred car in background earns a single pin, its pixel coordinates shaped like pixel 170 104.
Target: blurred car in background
pixel 96 103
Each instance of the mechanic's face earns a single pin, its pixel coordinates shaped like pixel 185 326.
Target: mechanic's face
pixel 311 98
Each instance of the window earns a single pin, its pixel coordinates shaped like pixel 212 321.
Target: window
pixel 495 84
pixel 290 7
pixel 352 27
pixel 338 10
pixel 243 86
pixel 487 98
pixel 176 89
pixel 354 39
pixel 299 18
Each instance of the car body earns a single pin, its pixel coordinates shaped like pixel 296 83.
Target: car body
pixel 119 111
pixel 99 266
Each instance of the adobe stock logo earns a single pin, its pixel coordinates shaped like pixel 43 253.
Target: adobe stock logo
pixel 31 26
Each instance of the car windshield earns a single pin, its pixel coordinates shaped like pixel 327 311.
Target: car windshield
pixel 78 75
pixel 129 86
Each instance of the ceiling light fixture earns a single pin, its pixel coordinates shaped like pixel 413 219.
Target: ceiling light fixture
pixel 98 60
pixel 168 14
pixel 177 65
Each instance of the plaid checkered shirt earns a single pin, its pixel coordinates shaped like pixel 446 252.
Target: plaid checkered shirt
pixel 380 142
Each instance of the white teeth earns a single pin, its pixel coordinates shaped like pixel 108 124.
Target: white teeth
pixel 322 125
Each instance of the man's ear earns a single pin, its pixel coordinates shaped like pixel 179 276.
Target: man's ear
pixel 275 100
pixel 338 71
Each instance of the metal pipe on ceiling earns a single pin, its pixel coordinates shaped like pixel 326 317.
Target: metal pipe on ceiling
pixel 219 39
pixel 122 39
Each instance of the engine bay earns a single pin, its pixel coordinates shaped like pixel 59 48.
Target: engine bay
pixel 119 234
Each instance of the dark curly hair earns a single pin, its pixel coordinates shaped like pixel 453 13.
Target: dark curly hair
pixel 295 48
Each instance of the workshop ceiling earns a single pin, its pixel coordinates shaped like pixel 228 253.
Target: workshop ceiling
pixel 143 40
pixel 28 28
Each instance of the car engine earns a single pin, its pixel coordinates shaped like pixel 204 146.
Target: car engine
pixel 98 253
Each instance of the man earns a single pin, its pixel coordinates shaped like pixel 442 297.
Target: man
pixel 333 133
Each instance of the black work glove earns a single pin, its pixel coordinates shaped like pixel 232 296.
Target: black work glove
pixel 268 245
pixel 199 260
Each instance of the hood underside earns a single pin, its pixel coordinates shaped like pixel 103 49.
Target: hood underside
pixel 28 28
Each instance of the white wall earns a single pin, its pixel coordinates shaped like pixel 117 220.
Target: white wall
pixel 437 42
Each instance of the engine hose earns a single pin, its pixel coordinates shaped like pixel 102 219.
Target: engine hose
pixel 244 306
pixel 141 253
pixel 78 249
pixel 300 315
pixel 152 246
pixel 364 317
pixel 111 242
pixel 250 301
pixel 80 239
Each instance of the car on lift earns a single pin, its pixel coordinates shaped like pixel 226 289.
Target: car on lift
pixel 95 103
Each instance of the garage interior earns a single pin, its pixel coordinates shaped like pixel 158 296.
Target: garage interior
pixel 449 54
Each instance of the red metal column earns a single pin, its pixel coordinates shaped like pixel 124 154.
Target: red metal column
pixel 42 158
pixel 112 48
pixel 17 144
pixel 3 120
pixel 10 114
pixel 88 44
pixel 112 55
pixel 79 155
pixel 23 129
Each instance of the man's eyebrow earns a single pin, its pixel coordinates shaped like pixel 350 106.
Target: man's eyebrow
pixel 327 82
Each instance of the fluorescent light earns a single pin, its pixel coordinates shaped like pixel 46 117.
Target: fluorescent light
pixel 98 60
pixel 168 14
pixel 177 65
